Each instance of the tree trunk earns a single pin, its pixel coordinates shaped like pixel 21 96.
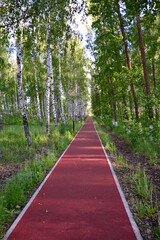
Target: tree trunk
pixel 60 84
pixel 37 95
pixel 145 70
pixel 52 89
pixel 1 155
pixel 133 89
pixel 73 116
pixel 69 92
pixel 15 89
pixel 1 127
pixel 20 90
pixel 47 105
pixel 113 101
pixel 76 94
pixel 155 86
pixel 42 106
pixel 125 107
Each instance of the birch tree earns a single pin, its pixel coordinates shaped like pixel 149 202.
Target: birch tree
pixel 47 105
pixel 60 82
pixel 20 89
pixel 37 94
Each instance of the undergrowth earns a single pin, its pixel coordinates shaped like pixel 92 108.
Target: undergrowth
pixel 141 137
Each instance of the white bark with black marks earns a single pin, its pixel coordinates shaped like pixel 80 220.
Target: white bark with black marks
pixel 20 90
pixel 15 89
pixel 1 122
pixel 52 89
pixel 47 108
pixel 37 96
pixel 60 84
pixel 76 94
pixel 69 92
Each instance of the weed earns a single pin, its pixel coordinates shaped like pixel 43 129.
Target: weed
pixel 120 159
pixel 145 209
pixel 157 233
pixel 153 158
pixel 68 135
pixel 110 147
pixel 141 184
pixel 13 194
pixel 62 144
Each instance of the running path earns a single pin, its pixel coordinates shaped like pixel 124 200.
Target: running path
pixel 79 200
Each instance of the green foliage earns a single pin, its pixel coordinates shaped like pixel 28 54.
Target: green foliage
pixel 12 119
pixel 144 209
pixel 142 185
pixel 13 194
pixel 109 145
pixel 120 159
pixel 141 138
pixel 157 232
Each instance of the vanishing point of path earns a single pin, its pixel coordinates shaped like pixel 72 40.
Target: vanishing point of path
pixel 79 200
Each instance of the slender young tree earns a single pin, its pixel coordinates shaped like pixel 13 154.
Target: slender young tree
pixel 133 89
pixel 47 105
pixel 37 94
pixel 145 69
pixel 20 88
pixel 60 83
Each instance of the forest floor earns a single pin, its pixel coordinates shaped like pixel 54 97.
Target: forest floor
pixel 134 160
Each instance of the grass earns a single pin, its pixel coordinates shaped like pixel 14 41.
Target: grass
pixel 144 209
pixel 140 136
pixel 142 186
pixel 14 148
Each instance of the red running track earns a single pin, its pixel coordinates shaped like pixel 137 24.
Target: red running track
pixel 79 200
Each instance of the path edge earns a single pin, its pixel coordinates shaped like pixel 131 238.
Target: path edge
pixel 14 224
pixel 130 216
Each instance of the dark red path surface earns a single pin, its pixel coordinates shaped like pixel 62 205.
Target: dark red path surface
pixel 79 200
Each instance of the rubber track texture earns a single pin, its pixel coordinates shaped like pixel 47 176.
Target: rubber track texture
pixel 79 200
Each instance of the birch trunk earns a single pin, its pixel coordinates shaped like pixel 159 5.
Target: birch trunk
pixel 52 89
pixel 1 127
pixel 133 89
pixel 20 91
pixel 37 95
pixel 42 106
pixel 73 116
pixel 15 89
pixel 1 155
pixel 69 92
pixel 60 85
pixel 145 70
pixel 47 109
pixel 76 97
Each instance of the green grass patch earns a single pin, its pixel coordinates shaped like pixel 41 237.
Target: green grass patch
pixel 146 209
pixel 141 185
